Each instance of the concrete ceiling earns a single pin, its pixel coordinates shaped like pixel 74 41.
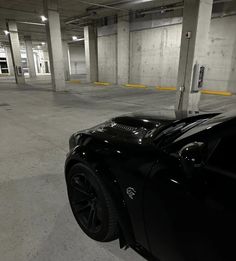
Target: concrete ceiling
pixel 73 13
pixel 29 11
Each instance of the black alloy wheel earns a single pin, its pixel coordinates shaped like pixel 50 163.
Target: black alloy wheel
pixel 91 204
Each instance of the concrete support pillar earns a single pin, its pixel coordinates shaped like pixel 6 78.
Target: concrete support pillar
pixel 30 56
pixel 65 47
pixel 90 44
pixel 196 26
pixel 9 61
pixel 15 51
pixel 54 41
pixel 123 48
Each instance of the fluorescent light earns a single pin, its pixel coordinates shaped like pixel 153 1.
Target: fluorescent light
pixel 76 39
pixel 38 46
pixel 43 43
pixel 6 32
pixel 43 18
pixel 80 39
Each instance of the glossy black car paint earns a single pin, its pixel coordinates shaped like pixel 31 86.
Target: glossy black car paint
pixel 181 210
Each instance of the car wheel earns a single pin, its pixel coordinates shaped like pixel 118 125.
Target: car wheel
pixel 91 203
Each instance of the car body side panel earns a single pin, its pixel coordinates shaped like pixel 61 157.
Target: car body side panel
pixel 131 169
pixel 163 190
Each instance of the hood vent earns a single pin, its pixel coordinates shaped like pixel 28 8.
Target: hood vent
pixel 126 128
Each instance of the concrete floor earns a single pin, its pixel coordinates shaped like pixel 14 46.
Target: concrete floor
pixel 36 222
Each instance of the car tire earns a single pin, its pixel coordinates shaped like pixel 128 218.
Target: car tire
pixel 91 203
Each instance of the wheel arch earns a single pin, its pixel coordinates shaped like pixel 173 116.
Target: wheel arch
pixel 126 234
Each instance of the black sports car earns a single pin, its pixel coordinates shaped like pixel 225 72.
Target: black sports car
pixel 164 186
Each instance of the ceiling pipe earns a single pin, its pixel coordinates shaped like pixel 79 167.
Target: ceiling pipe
pixel 96 6
pixel 33 32
pixel 124 2
pixel 81 24
pixel 160 10
pixel 222 1
pixel 17 10
pixel 121 3
pixel 112 5
pixel 102 5
pixel 77 19
pixel 31 23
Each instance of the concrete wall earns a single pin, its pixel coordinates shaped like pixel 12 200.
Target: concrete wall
pixel 77 59
pixel 107 58
pixel 154 52
pixel 221 56
pixel 154 55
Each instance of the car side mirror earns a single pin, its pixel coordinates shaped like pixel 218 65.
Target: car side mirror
pixel 192 155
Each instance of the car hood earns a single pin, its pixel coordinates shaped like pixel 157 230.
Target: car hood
pixel 141 128
pixel 136 128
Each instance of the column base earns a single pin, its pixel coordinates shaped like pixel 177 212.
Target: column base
pixel 188 104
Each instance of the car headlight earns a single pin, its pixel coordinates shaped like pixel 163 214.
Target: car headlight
pixel 73 141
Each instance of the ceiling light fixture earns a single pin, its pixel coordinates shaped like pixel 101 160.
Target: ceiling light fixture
pixel 43 43
pixel 43 18
pixel 6 32
pixel 76 39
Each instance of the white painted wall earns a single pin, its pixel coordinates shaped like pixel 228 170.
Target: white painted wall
pixel 107 58
pixel 77 59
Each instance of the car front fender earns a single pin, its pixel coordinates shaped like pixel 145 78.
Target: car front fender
pixel 80 154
